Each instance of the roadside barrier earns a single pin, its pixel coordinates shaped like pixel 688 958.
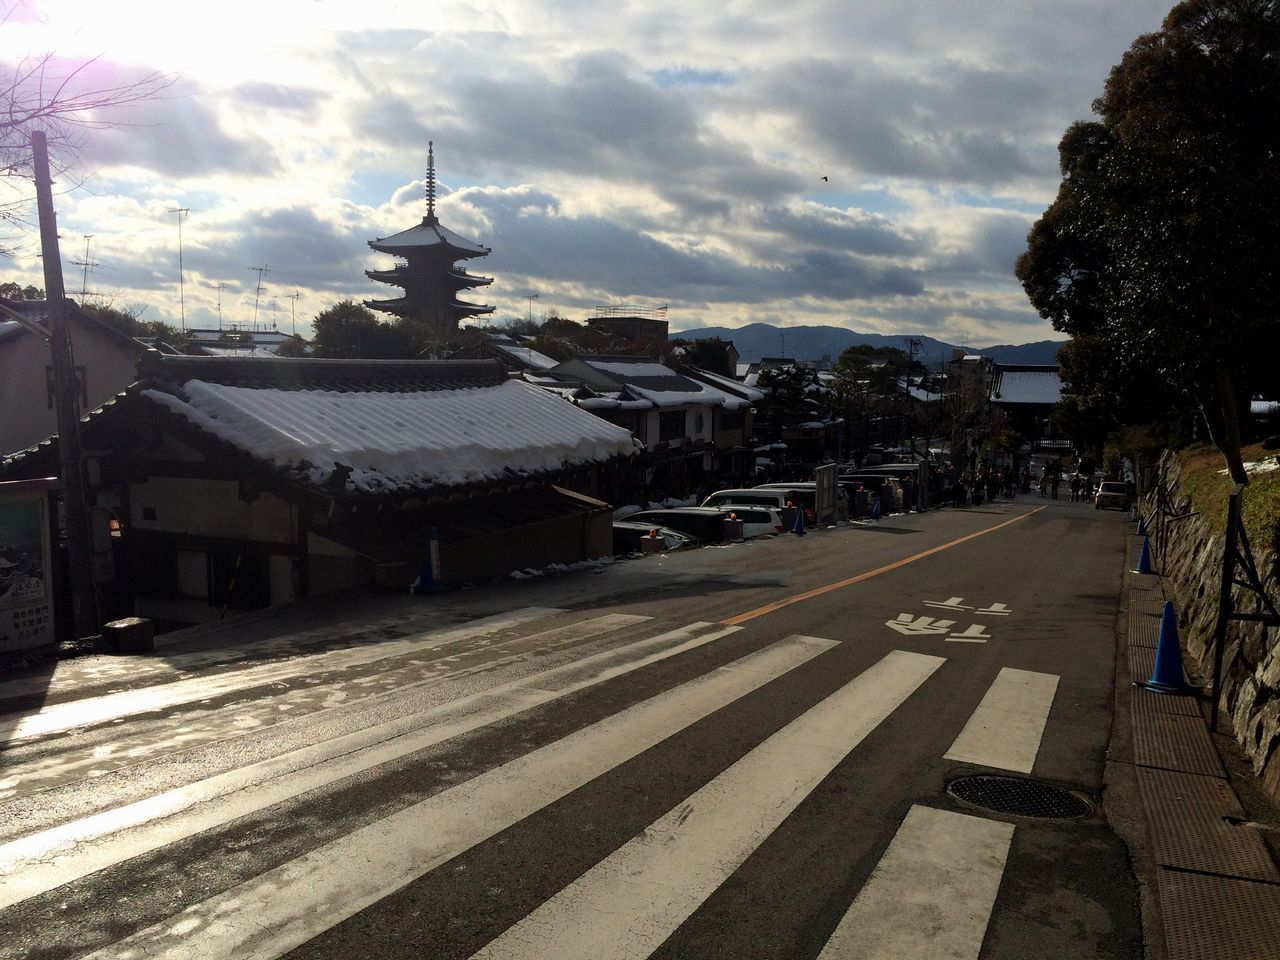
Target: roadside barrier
pixel 1167 675
pixel 1144 559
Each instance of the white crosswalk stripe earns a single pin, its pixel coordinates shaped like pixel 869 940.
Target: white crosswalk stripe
pixel 630 902
pixel 42 861
pixel 1006 728
pixel 931 895
pixel 302 898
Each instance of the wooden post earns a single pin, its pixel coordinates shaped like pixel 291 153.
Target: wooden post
pixel 66 402
pixel 1224 600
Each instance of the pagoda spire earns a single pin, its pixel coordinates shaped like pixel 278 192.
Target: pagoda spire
pixel 431 182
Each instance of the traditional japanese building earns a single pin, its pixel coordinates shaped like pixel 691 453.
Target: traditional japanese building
pixel 427 270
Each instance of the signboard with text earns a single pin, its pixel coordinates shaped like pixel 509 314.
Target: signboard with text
pixel 26 566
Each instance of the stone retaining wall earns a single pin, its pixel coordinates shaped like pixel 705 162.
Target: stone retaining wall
pixel 1251 661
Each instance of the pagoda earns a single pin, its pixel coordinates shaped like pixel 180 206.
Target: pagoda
pixel 427 270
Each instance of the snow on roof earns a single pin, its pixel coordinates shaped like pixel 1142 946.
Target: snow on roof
pixel 249 350
pixel 9 328
pixel 632 368
pixel 400 441
pixel 731 386
pixel 1031 385
pixel 527 355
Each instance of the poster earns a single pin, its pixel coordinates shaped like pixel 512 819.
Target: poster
pixel 26 567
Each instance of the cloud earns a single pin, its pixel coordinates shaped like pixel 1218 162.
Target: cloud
pixel 275 96
pixel 182 137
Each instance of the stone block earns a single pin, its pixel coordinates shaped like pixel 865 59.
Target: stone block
pixel 130 635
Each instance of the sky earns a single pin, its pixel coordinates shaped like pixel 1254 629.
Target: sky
pixel 869 165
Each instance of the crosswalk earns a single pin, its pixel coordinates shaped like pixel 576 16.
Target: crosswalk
pixel 930 895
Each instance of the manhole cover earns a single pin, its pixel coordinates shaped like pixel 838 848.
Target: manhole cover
pixel 1019 798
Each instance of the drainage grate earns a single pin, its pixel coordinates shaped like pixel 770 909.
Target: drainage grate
pixel 1019 798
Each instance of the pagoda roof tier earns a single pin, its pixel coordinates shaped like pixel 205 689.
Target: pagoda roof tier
pixel 403 305
pixel 472 279
pixel 428 233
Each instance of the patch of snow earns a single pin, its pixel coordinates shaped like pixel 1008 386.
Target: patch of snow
pixel 1256 466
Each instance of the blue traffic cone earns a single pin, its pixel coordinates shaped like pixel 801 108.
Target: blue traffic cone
pixel 1144 559
pixel 875 509
pixel 799 525
pixel 1142 525
pixel 1167 675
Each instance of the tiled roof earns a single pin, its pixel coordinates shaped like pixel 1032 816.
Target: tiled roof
pixel 1026 384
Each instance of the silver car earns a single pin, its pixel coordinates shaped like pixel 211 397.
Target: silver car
pixel 1111 493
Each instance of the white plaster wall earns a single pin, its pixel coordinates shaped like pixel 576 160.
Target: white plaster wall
pixel 25 417
pixel 210 508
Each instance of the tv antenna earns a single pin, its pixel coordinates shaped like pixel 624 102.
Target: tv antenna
pixel 257 293
pixel 531 297
pixel 293 310
pixel 275 309
pixel 219 287
pixel 89 264
pixel 182 300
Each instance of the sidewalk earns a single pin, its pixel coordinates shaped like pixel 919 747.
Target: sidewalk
pixel 1217 881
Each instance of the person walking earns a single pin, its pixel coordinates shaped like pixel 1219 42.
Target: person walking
pixel 1075 487
pixel 1053 485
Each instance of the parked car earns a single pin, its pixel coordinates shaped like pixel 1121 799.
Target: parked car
pixel 627 535
pixel 701 523
pixel 767 495
pixel 757 520
pixel 804 494
pixel 1111 493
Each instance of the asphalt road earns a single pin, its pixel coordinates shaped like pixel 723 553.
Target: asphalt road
pixel 734 752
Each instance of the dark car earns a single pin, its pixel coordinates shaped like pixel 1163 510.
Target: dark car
pixel 627 534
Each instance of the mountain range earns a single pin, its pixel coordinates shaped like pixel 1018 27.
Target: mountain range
pixel 758 340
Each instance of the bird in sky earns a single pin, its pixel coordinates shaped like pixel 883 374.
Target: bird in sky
pixel 824 178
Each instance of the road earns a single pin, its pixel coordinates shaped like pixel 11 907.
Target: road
pixel 734 752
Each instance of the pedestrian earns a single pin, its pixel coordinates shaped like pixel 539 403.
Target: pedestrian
pixel 1054 479
pixel 1043 483
pixel 1075 487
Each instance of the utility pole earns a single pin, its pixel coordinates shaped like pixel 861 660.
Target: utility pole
pixel 182 300
pixel 531 297
pixel 84 601
pixel 293 311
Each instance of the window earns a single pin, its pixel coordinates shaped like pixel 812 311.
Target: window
pixel 193 574
pixel 671 425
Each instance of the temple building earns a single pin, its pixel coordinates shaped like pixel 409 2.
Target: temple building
pixel 427 270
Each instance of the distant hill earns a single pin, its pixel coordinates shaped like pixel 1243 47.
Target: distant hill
pixel 757 340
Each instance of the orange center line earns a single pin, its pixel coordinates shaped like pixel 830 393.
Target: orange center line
pixel 840 584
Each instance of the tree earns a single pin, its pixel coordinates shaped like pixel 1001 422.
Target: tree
pixel 15 291
pixel 349 331
pixel 711 354
pixel 1161 246
pixel 50 93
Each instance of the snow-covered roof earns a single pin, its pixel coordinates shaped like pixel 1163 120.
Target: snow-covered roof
pixel 428 233
pixel 522 354
pixel 646 379
pixel 1026 385
pixel 392 441
pixel 731 386
pixel 381 427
